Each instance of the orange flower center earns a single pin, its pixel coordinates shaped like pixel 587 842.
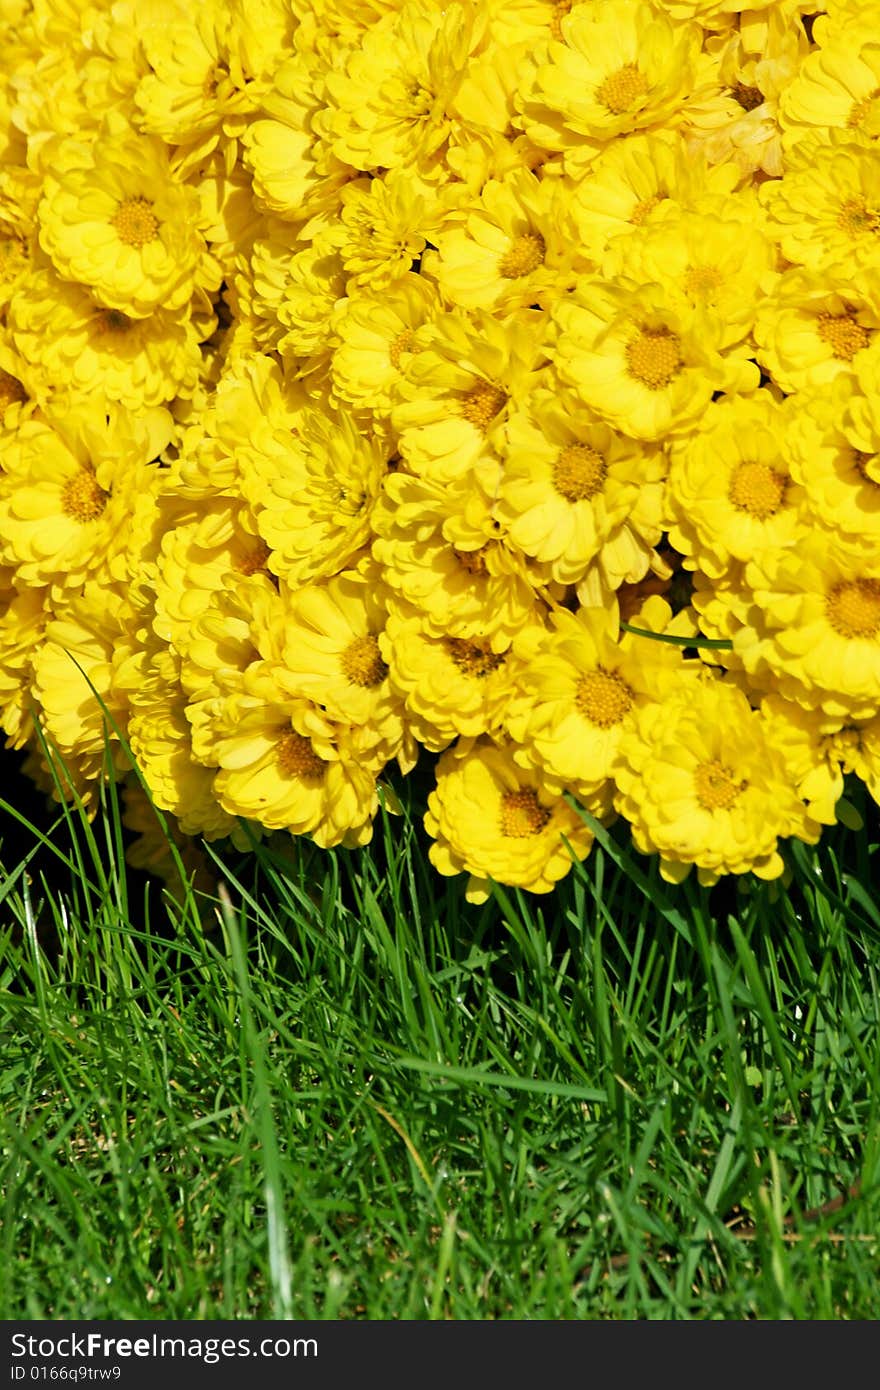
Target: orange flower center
pixel 603 698
pixel 716 786
pixel 579 472
pixel 622 89
pixel 843 335
pixel 482 403
pixel 853 608
pixel 400 346
pixel 748 97
pixel 653 357
pixel 702 281
pixel 135 222
pixel 295 757
pixel 758 489
pixel 522 813
pixel 82 498
pixel 474 561
pixel 525 255
pixel 857 219
pixel 860 110
pixel 362 662
pixel 645 208
pixel 560 10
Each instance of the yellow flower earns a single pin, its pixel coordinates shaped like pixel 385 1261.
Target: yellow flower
pixel 639 359
pixel 701 783
pixel 841 479
pixel 814 326
pixel 715 261
pixel 731 494
pixel 837 86
pixel 333 657
pixel 383 227
pixel 620 66
pixel 815 625
pixel 513 247
pixel 826 210
pixel 114 217
pixel 375 335
pixel 24 613
pixel 66 501
pixel 390 103
pixel 312 492
pixel 494 820
pixel 464 374
pixel 634 182
pixel 577 687
pixel 442 553
pixel 819 751
pixel 75 344
pixel 449 685
pixel 573 492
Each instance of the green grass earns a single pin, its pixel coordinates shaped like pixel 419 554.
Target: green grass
pixel 331 1088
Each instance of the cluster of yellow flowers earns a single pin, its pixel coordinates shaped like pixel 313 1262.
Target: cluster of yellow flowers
pixel 497 378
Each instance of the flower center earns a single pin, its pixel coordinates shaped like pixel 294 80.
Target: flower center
pixel 525 255
pixel 482 403
pixel 362 662
pixel 603 698
pixel 867 466
pixel 758 489
pixel 860 110
pixel 11 390
pixel 522 814
pixel 82 498
pixel 645 208
pixel 295 756
pixel 843 335
pixel 349 501
pixel 856 218
pixel 653 357
pixel 560 10
pixel 579 472
pixel 400 346
pixel 622 89
pixel 853 608
pixel 113 321
pixel 702 281
pixel 716 786
pixel 473 658
pixel 253 561
pixel 474 561
pixel 135 222
pixel 748 97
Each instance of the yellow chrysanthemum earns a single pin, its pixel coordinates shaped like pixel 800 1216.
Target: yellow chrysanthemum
pixel 390 104
pixel 375 336
pixel 75 344
pixel 840 479
pixel 620 66
pixel 837 86
pixel 293 289
pixel 465 373
pixel 701 783
pixel 383 227
pixel 639 359
pixel 819 751
pixel 67 500
pixel 450 685
pixel 825 212
pixel 512 248
pixel 24 613
pixel 442 553
pixel 815 326
pixel 494 820
pixel 573 492
pixel 312 492
pixel 333 657
pixel 716 261
pixel 114 217
pixel 634 182
pixel 577 686
pixel 815 625
pixel 731 494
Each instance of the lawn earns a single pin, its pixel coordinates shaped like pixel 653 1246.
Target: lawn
pixel 321 1085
